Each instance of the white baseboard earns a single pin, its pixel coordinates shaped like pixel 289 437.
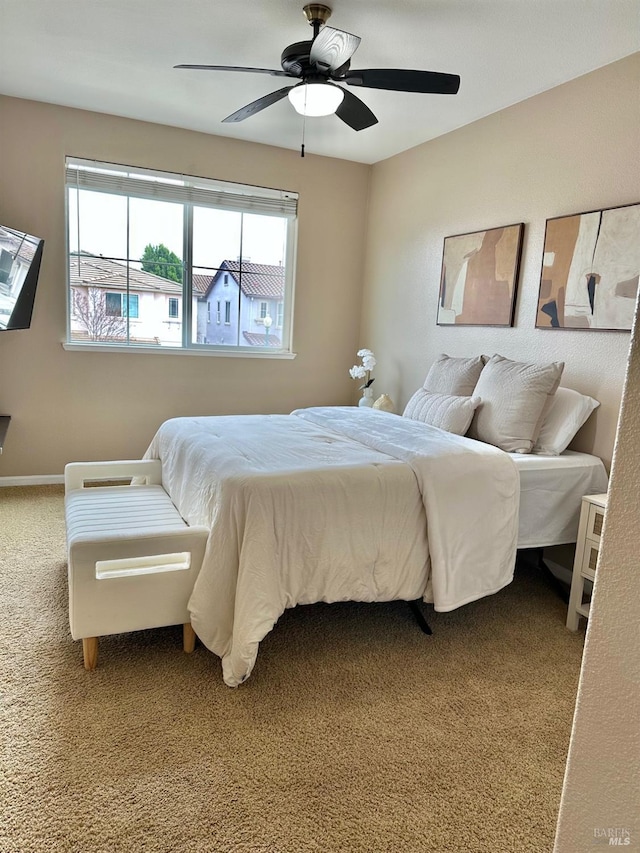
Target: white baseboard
pixel 34 480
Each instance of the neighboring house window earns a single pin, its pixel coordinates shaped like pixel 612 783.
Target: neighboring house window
pixel 263 310
pixel 280 315
pixel 133 306
pixel 116 305
pixel 113 304
pixel 130 231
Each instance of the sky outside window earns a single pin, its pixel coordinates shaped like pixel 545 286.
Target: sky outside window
pixel 217 234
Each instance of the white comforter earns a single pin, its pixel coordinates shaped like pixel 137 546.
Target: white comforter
pixel 333 504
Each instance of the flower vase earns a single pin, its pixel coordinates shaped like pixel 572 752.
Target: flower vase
pixel 367 398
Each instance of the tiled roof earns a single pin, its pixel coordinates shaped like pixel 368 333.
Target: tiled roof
pixel 258 279
pixel 261 280
pixel 201 283
pixel 93 271
pixel 255 339
pixel 18 242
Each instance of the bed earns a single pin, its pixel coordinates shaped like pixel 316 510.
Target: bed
pixel 551 491
pixel 336 503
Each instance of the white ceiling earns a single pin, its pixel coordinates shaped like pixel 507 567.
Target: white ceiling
pixel 117 56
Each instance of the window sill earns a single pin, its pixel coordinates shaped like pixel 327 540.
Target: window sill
pixel 148 350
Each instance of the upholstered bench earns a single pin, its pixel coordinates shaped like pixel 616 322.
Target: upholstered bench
pixel 132 558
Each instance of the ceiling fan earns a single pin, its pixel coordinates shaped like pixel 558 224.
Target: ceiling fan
pixel 322 62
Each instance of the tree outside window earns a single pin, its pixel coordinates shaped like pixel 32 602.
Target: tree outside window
pixel 161 261
pixel 90 308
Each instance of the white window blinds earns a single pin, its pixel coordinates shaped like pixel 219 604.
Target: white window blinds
pixel 167 186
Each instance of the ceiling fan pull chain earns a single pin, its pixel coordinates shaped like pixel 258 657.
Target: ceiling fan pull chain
pixel 304 125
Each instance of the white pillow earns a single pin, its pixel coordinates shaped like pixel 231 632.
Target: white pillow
pixel 448 412
pixel 456 376
pixel 568 412
pixel 513 396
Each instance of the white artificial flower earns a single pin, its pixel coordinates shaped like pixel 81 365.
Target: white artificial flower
pixel 363 371
pixel 369 362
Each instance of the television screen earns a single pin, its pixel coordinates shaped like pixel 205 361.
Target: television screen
pixel 20 256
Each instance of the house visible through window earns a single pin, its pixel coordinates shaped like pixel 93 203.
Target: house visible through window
pixel 145 244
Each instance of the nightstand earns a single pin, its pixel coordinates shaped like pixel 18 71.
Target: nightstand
pixel 587 547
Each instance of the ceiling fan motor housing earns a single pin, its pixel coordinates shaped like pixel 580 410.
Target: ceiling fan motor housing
pixel 295 61
pixel 295 58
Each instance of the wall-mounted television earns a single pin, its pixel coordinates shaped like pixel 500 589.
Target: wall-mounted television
pixel 20 257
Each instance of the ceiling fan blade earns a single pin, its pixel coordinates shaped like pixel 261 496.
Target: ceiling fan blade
pixel 271 71
pixel 331 48
pixel 355 112
pixel 256 106
pixel 398 80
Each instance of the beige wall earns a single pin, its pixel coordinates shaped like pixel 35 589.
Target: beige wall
pixel 77 405
pixel 574 148
pixel 602 782
pixel 571 149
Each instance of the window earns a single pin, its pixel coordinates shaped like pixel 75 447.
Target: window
pixel 115 305
pixel 139 240
pixel 133 306
pixel 280 317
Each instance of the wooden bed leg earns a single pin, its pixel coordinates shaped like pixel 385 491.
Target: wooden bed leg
pixel 188 638
pixel 417 612
pixel 90 652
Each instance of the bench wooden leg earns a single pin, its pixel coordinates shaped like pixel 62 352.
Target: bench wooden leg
pixel 90 652
pixel 188 638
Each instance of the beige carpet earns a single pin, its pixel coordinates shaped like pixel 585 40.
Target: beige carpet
pixel 355 733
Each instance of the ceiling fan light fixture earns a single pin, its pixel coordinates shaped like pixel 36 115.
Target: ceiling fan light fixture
pixel 316 99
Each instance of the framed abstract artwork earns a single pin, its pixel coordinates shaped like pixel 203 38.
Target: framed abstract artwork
pixel 590 270
pixel 479 277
